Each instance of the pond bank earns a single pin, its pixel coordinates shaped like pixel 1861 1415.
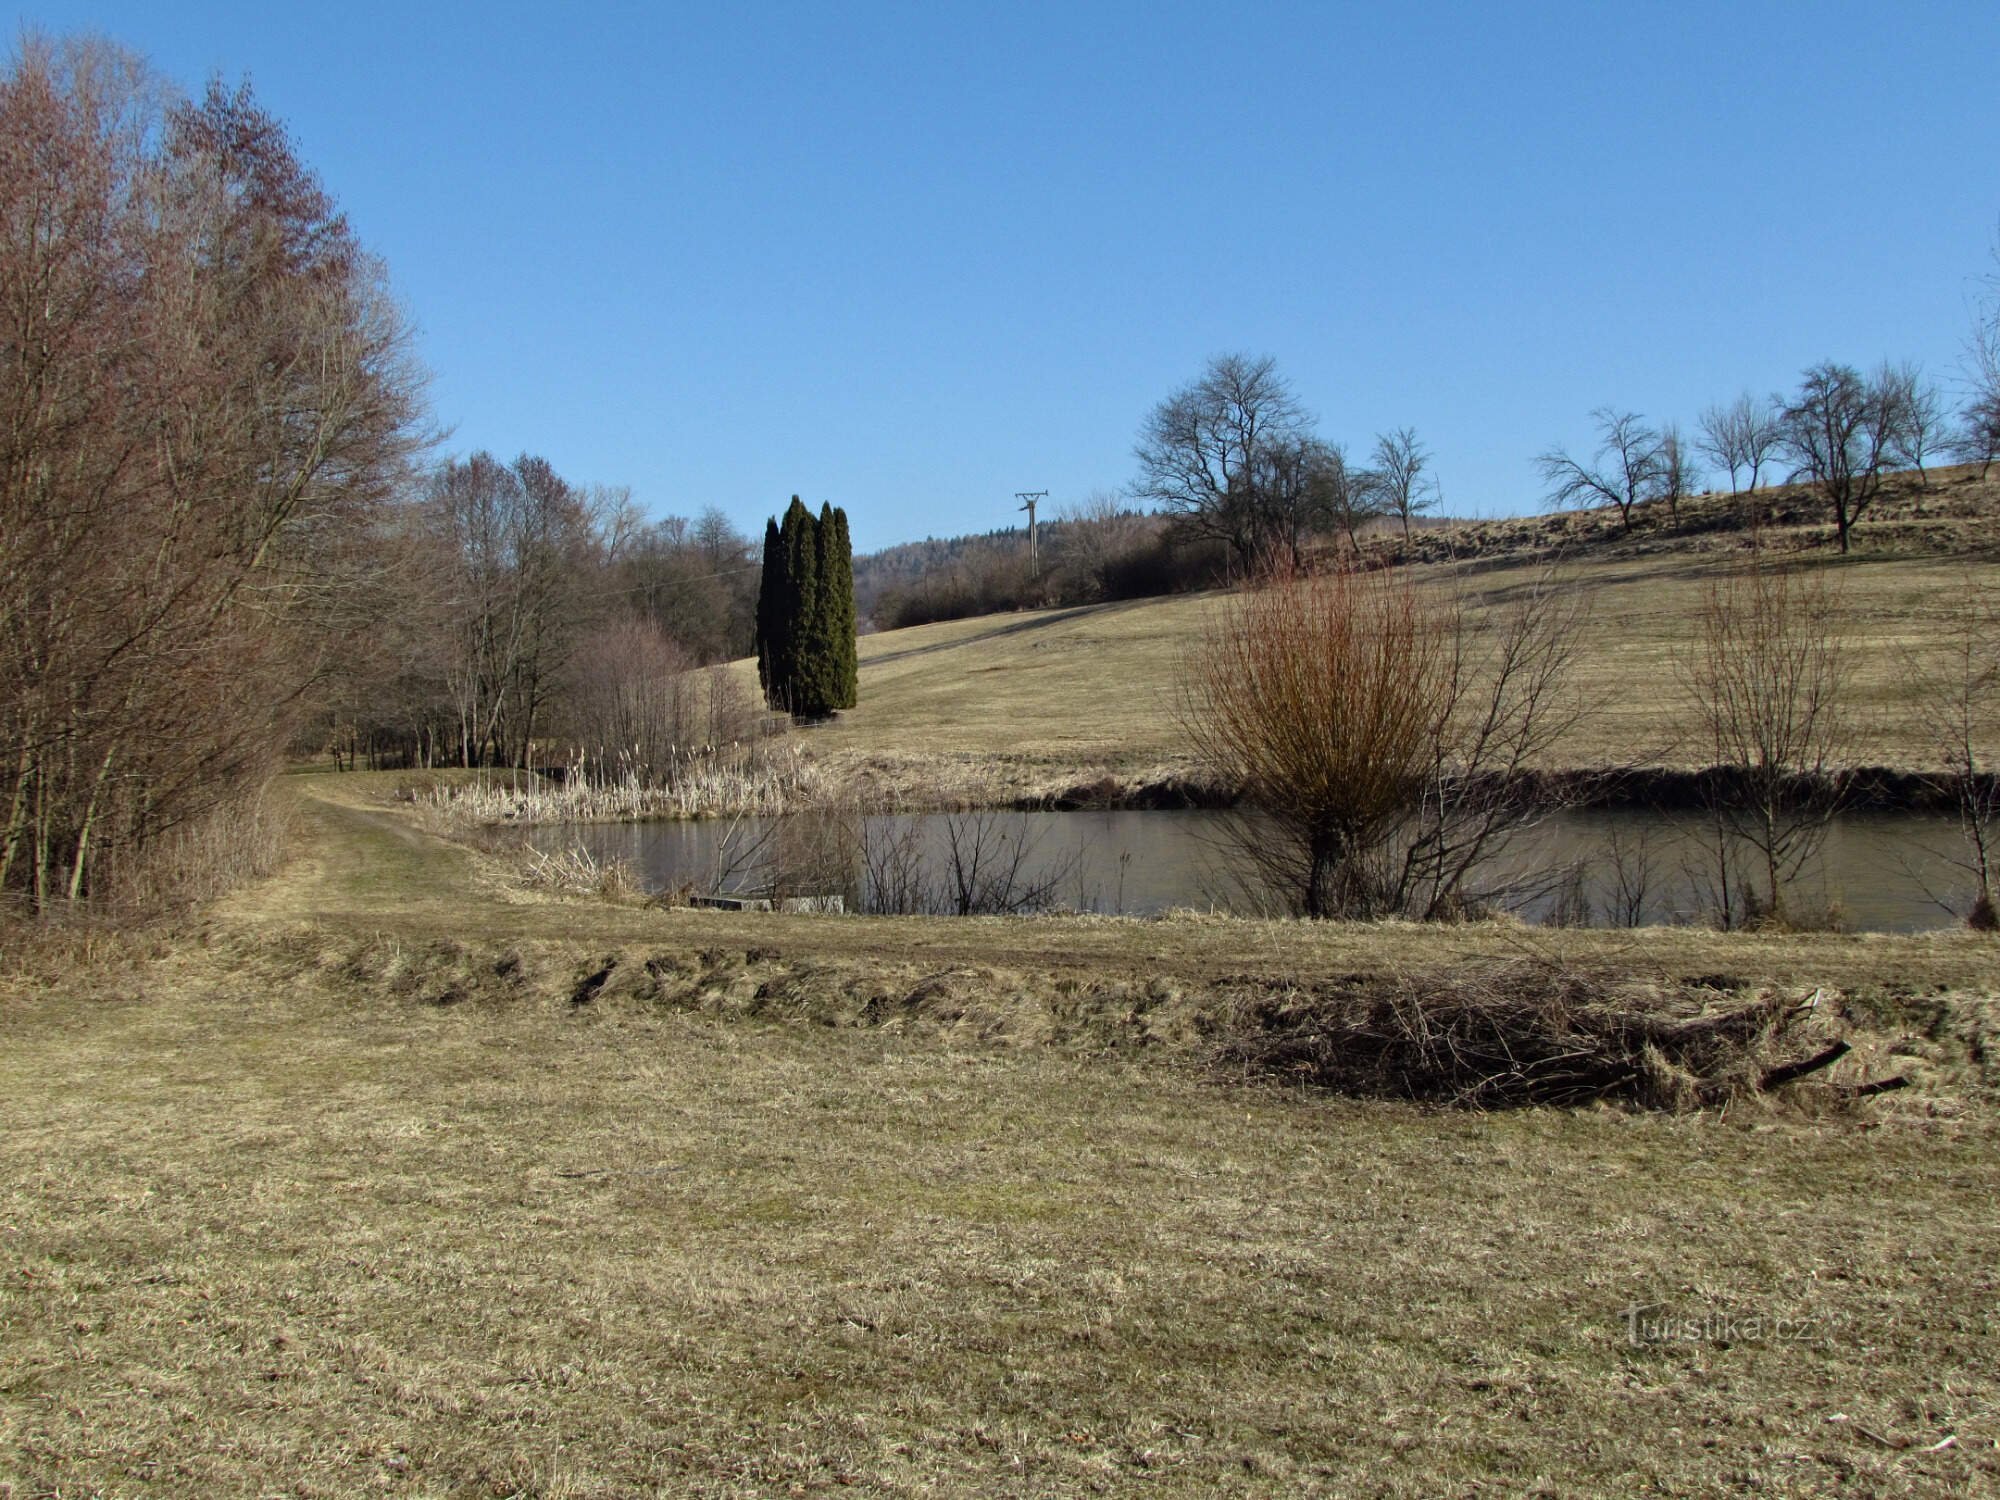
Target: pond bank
pixel 1883 789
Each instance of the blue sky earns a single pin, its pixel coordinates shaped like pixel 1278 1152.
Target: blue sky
pixel 914 258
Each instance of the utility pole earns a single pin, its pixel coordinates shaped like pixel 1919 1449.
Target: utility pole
pixel 1028 499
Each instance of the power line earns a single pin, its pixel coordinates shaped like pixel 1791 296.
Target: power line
pixel 1028 499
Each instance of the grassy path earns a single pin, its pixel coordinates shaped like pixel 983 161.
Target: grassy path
pixel 279 1216
pixel 364 868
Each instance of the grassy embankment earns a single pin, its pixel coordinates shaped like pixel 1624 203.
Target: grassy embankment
pixel 344 1191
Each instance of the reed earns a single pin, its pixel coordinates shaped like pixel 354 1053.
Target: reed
pixel 768 784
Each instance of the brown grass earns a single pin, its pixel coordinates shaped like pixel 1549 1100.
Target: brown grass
pixel 394 1178
pixel 1035 703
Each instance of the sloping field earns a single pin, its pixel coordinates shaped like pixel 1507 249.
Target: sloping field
pixel 1038 701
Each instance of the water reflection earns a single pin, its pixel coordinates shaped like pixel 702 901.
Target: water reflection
pixel 1877 871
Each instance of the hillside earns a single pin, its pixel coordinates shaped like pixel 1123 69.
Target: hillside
pixel 1035 703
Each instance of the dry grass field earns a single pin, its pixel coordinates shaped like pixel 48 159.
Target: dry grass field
pixel 1030 704
pixel 344 1190
pixel 389 1175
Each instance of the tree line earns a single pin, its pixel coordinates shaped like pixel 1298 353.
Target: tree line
pixel 1234 459
pixel 1842 433
pixel 224 536
pixel 206 402
pixel 526 619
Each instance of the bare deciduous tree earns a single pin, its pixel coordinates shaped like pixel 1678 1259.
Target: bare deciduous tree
pixel 1230 457
pixel 1679 476
pixel 1095 532
pixel 1979 438
pixel 1765 684
pixel 1841 432
pixel 1378 735
pixel 1402 485
pixel 1920 429
pixel 206 401
pixel 1956 697
pixel 519 542
pixel 1343 497
pixel 1627 466
pixel 1740 437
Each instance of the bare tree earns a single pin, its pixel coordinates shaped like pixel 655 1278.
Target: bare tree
pixel 522 542
pixel 1342 497
pixel 1956 697
pixel 206 404
pixel 1765 685
pixel 1979 438
pixel 1377 735
pixel 633 704
pixel 1841 432
pixel 1740 437
pixel 1679 476
pixel 985 863
pixel 1920 428
pixel 1627 466
pixel 1302 486
pixel 1399 477
pixel 1229 457
pixel 1095 532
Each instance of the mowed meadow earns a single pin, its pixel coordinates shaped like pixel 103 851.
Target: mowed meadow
pixel 392 1177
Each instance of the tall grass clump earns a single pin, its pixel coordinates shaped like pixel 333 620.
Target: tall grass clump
pixel 767 783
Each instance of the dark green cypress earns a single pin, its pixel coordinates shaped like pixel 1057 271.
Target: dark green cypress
pixel 840 589
pixel 819 667
pixel 800 664
pixel 806 655
pixel 770 591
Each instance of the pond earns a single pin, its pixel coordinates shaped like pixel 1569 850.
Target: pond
pixel 1881 872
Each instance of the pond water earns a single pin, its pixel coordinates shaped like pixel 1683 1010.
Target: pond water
pixel 1883 872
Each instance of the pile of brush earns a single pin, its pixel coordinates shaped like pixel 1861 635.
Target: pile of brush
pixel 1524 1033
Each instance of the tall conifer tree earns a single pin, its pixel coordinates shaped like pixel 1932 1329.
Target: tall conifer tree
pixel 805 613
pixel 770 590
pixel 846 667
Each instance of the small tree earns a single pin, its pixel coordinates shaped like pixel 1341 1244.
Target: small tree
pixel 1378 736
pixel 1956 698
pixel 1679 476
pixel 1398 479
pixel 1319 697
pixel 1627 472
pixel 1841 431
pixel 1919 429
pixel 1344 497
pixel 1740 437
pixel 1979 439
pixel 1765 685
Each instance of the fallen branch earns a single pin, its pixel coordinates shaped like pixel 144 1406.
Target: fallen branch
pixel 1791 1072
pixel 1496 1036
